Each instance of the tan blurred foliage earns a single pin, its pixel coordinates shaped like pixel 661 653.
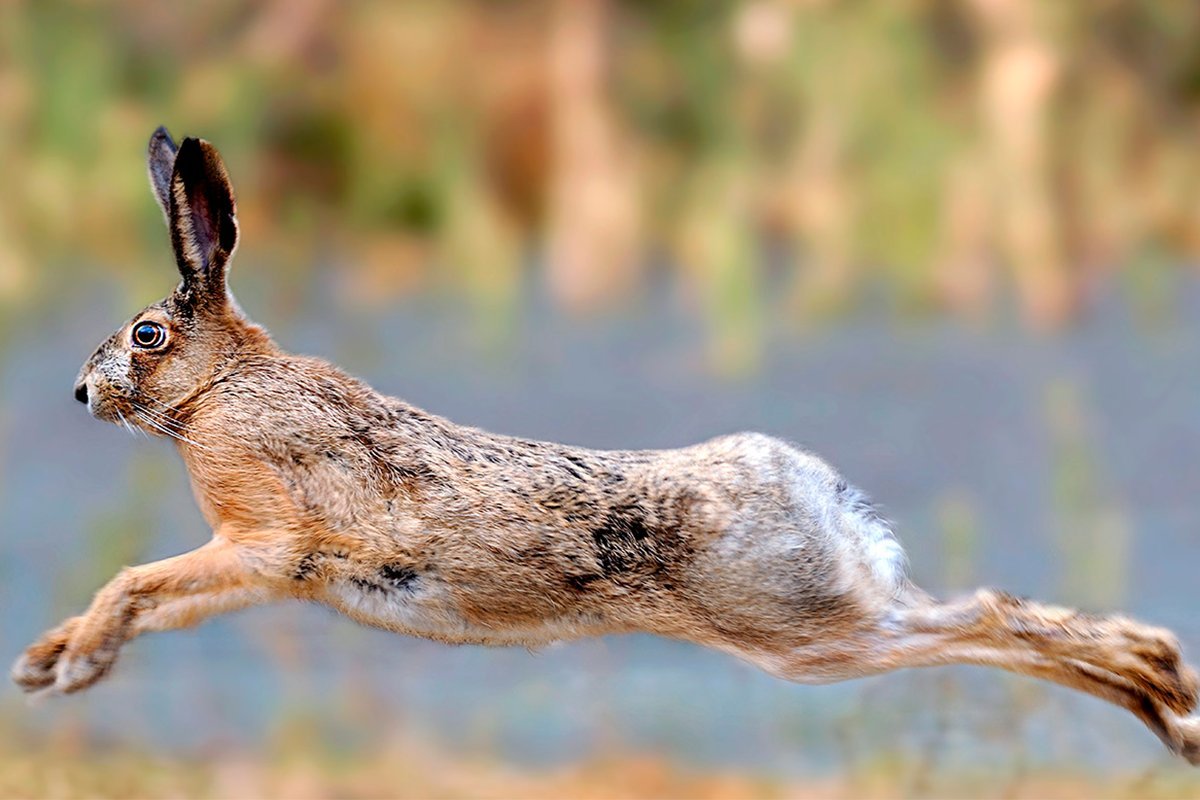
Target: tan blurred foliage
pixel 953 151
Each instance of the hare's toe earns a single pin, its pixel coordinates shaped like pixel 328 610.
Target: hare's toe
pixel 32 674
pixel 1188 732
pixel 35 668
pixel 1161 670
pixel 77 671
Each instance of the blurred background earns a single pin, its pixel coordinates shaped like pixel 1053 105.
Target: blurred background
pixel 950 245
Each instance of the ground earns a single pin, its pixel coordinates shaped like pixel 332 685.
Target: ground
pixel 66 768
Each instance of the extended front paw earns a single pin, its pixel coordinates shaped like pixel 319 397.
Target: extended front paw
pixel 32 673
pixel 79 670
pixel 91 650
pixel 35 669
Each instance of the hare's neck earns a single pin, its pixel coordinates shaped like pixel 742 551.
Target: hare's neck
pixel 249 340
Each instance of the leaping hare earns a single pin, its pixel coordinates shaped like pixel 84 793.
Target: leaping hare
pixel 317 487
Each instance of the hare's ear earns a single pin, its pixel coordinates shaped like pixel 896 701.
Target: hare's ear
pixel 160 162
pixel 202 216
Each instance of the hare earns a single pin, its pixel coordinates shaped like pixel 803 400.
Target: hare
pixel 319 488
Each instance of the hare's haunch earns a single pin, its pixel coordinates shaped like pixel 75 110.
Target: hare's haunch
pixel 318 487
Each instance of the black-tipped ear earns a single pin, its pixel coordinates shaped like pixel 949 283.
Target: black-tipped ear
pixel 202 216
pixel 160 162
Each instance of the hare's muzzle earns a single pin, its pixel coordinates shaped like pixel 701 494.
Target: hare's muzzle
pixel 85 389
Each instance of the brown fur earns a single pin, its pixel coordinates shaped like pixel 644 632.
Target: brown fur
pixel 317 487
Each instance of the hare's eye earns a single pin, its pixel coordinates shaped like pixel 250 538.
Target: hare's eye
pixel 149 335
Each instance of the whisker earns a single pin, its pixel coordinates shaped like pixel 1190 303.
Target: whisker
pixel 158 426
pixel 166 431
pixel 166 415
pixel 161 417
pixel 151 422
pixel 125 422
pixel 161 403
pixel 161 429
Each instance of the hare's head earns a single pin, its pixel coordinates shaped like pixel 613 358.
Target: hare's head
pixel 170 351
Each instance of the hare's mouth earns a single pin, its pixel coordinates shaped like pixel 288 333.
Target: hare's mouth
pixel 121 414
pixel 151 418
pixel 104 409
pixel 103 405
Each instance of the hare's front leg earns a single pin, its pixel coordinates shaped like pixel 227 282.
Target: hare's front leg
pixel 167 594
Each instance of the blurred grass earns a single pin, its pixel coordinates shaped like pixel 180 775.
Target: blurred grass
pixel 954 152
pixel 406 767
pixel 1093 531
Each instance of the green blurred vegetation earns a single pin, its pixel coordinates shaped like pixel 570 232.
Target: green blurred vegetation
pixel 953 151
pixel 1092 531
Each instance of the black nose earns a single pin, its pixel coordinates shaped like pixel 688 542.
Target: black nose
pixel 81 392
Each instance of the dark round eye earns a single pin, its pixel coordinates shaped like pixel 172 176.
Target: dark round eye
pixel 149 334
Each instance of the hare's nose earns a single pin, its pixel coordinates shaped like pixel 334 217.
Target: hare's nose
pixel 81 392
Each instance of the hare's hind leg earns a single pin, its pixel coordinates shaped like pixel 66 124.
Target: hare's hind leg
pixel 1147 657
pixel 1135 666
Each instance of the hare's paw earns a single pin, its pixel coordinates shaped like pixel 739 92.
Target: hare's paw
pixel 32 673
pixel 1183 737
pixel 1152 659
pixel 35 669
pixel 76 671
pixel 90 653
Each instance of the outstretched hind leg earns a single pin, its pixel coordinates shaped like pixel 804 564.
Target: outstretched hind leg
pixel 1145 656
pixel 1137 667
pixel 1180 735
